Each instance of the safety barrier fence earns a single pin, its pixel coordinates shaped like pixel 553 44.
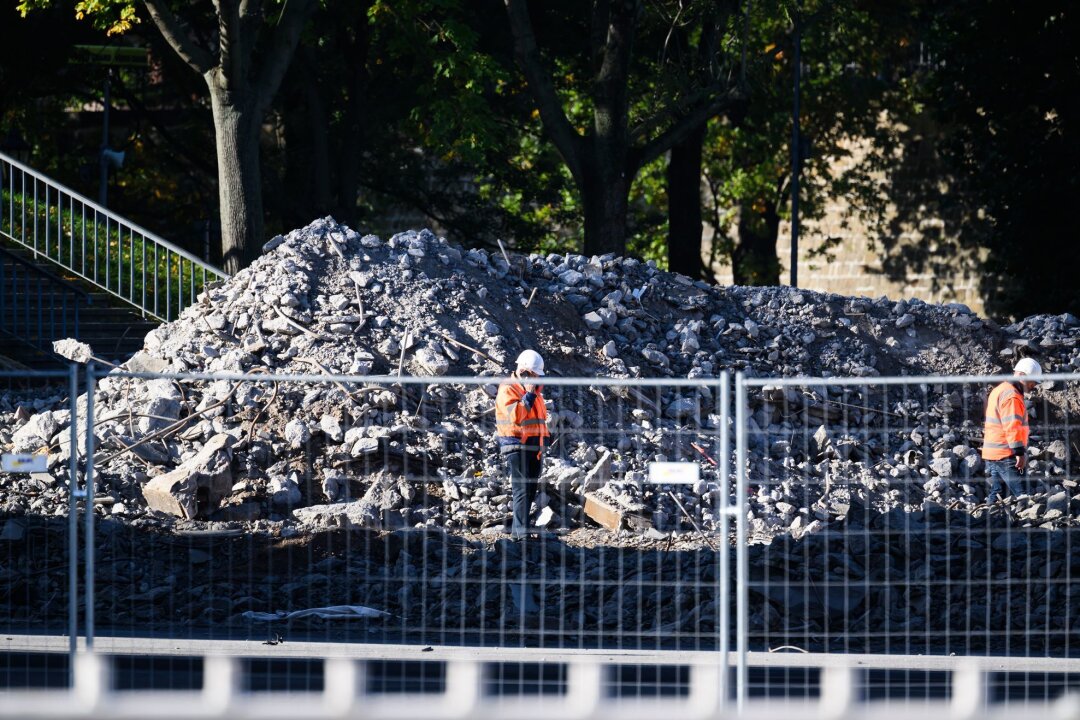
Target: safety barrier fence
pixel 381 509
pixel 90 242
pixel 39 555
pixel 870 528
pixel 398 685
pixel 356 509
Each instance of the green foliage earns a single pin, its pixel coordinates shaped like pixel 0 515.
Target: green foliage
pixel 447 127
pixel 484 169
pixel 115 17
pixel 848 47
pixel 648 225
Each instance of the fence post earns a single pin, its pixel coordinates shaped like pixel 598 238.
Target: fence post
pixel 88 504
pixel 73 521
pixel 725 535
pixel 742 572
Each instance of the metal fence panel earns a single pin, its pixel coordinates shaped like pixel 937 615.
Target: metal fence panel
pixel 869 529
pixel 360 510
pixel 473 684
pixel 38 536
pixel 375 509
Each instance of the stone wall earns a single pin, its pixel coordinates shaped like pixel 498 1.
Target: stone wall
pixel 856 269
pixel 943 271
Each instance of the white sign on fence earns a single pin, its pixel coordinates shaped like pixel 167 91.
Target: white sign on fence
pixel 24 463
pixel 674 473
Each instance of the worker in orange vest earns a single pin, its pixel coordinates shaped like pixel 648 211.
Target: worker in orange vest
pixel 1005 432
pixel 521 429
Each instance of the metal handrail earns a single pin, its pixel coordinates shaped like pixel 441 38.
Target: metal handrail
pixel 129 262
pixel 30 310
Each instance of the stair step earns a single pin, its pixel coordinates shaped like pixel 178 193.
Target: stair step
pixel 113 329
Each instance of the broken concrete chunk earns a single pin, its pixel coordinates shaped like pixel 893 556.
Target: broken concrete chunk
pixel 942 466
pixel 143 361
pixel 603 513
pixel 365 446
pixel 198 485
pixel 335 486
pixel 284 491
pixel 655 357
pixel 683 408
pixel 593 321
pixel 821 438
pixel 599 475
pixel 612 517
pixel 297 433
pixel 35 434
pixel 429 361
pixel 331 427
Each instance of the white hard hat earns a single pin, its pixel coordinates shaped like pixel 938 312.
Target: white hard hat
pixel 530 360
pixel 1027 366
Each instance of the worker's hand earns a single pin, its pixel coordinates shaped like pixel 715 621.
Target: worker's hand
pixel 526 376
pixel 1021 462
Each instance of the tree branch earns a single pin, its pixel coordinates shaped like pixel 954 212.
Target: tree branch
pixel 276 60
pixel 197 57
pixel 566 140
pixel 684 125
pixel 237 35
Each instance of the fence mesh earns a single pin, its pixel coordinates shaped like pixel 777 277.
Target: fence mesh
pixel 359 511
pixel 38 539
pixel 379 510
pixel 870 528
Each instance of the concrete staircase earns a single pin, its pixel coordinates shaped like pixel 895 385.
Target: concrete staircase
pixel 108 325
pixel 124 276
pixel 112 329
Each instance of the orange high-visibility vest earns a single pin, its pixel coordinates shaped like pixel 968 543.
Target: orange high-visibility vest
pixel 1005 432
pixel 513 419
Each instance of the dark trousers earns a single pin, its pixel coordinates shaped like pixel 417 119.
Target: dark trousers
pixel 1003 472
pixel 524 466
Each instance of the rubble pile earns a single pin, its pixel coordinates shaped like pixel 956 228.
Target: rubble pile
pixel 384 457
pixel 326 300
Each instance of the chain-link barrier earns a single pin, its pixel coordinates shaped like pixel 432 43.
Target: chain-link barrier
pixel 284 509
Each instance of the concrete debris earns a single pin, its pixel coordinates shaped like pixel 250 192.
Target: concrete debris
pixel 73 350
pixel 35 434
pixel 198 485
pixel 604 513
pixel 599 474
pixel 325 299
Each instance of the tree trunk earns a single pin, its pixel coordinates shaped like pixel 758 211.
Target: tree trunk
pixel 352 142
pixel 754 261
pixel 236 130
pixel 605 190
pixel 348 184
pixel 684 207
